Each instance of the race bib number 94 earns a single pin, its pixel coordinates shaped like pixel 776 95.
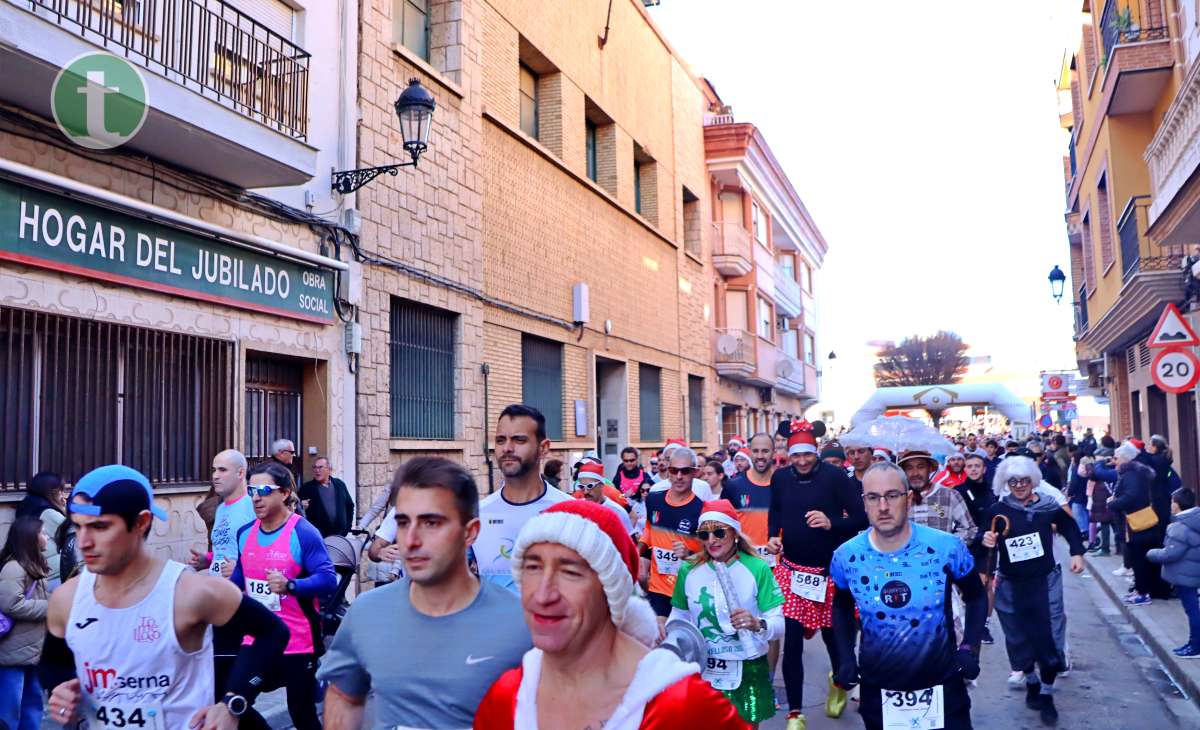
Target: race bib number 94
pixel 921 709
pixel 723 674
pixel 260 590
pixel 128 716
pixel 666 561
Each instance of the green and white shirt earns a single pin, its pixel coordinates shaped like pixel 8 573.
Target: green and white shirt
pixel 698 599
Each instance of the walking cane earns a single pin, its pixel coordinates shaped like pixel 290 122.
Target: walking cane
pixel 991 586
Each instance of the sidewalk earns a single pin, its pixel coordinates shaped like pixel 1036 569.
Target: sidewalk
pixel 1162 625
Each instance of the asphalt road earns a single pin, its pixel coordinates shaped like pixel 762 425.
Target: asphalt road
pixel 1116 683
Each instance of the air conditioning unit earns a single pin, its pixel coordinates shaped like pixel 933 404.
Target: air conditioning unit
pixel 782 323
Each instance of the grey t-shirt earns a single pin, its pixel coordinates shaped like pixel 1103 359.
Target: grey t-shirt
pixel 425 671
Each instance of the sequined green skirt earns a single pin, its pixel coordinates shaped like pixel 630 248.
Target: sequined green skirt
pixel 755 697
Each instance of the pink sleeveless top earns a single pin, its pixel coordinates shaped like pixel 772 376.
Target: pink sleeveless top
pixel 256 561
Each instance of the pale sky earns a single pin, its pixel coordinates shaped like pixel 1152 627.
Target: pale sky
pixel 924 140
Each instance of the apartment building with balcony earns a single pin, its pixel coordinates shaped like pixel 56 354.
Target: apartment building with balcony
pixel 766 252
pixel 550 246
pixel 172 297
pixel 1118 91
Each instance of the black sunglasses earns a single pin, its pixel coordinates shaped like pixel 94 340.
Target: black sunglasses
pixel 685 470
pixel 718 533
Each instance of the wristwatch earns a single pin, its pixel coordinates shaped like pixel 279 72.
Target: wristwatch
pixel 236 704
pixel 291 586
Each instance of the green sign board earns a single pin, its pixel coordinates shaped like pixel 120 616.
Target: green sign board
pixel 55 232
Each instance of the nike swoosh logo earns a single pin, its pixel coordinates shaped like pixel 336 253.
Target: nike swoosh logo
pixel 86 623
pixel 475 660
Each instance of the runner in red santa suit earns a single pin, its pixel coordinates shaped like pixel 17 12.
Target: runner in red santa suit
pixel 953 474
pixel 576 569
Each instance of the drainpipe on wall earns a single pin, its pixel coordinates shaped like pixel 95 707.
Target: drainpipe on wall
pixel 487 418
pixel 1175 36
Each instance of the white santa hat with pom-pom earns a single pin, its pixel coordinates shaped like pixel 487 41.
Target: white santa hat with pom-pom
pixel 595 532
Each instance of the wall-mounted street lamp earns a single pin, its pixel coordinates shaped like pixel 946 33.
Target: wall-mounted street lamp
pixel 415 110
pixel 1057 280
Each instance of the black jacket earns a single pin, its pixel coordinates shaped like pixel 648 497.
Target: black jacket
pixel 978 496
pixel 824 489
pixel 1028 525
pixel 340 521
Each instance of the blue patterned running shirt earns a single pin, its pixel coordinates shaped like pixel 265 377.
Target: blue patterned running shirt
pixel 903 599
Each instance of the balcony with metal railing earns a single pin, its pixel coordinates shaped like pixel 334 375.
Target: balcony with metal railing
pixel 233 88
pixel 1135 53
pixel 735 352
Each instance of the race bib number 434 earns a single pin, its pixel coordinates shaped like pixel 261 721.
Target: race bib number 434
pixel 140 717
pixel 921 709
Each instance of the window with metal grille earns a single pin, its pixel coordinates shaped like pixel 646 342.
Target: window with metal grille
pixel 410 20
pixel 695 408
pixel 650 401
pixel 76 394
pixel 542 381
pixel 274 400
pixel 421 344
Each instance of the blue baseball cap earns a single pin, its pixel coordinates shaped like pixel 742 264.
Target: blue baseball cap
pixel 115 489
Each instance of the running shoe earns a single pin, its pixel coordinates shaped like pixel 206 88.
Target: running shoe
pixel 835 702
pixel 1048 711
pixel 1033 695
pixel 987 635
pixel 1016 679
pixel 1187 652
pixel 797 722
pixel 1140 599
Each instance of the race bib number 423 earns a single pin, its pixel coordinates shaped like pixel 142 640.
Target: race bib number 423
pixel 260 590
pixel 921 709
pixel 1024 547
pixel 141 717
pixel 666 561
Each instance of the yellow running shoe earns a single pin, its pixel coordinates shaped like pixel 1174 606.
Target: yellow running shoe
pixel 797 723
pixel 835 703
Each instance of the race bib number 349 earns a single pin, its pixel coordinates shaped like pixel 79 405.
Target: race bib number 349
pixel 666 561
pixel 921 709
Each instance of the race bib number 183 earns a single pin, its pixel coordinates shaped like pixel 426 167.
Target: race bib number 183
pixel 921 709
pixel 260 590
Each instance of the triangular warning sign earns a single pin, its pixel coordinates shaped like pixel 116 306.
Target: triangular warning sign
pixel 1172 330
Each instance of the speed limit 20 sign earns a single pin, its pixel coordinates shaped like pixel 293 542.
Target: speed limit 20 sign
pixel 1175 370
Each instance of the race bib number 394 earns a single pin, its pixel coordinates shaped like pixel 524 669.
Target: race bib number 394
pixel 921 709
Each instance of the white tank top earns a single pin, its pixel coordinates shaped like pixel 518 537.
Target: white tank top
pixel 133 672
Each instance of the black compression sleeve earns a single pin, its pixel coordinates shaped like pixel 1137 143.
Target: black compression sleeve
pixel 57 664
pixel 844 628
pixel 249 671
pixel 975 599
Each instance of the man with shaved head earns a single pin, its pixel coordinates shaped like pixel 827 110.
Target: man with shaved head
pixel 234 511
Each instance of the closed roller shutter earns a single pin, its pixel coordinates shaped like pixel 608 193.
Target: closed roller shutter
pixel 273 14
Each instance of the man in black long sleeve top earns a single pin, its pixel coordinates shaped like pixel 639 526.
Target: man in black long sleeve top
pixel 1031 579
pixel 814 507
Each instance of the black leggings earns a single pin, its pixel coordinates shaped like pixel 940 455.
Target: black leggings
pixel 298 673
pixel 793 660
